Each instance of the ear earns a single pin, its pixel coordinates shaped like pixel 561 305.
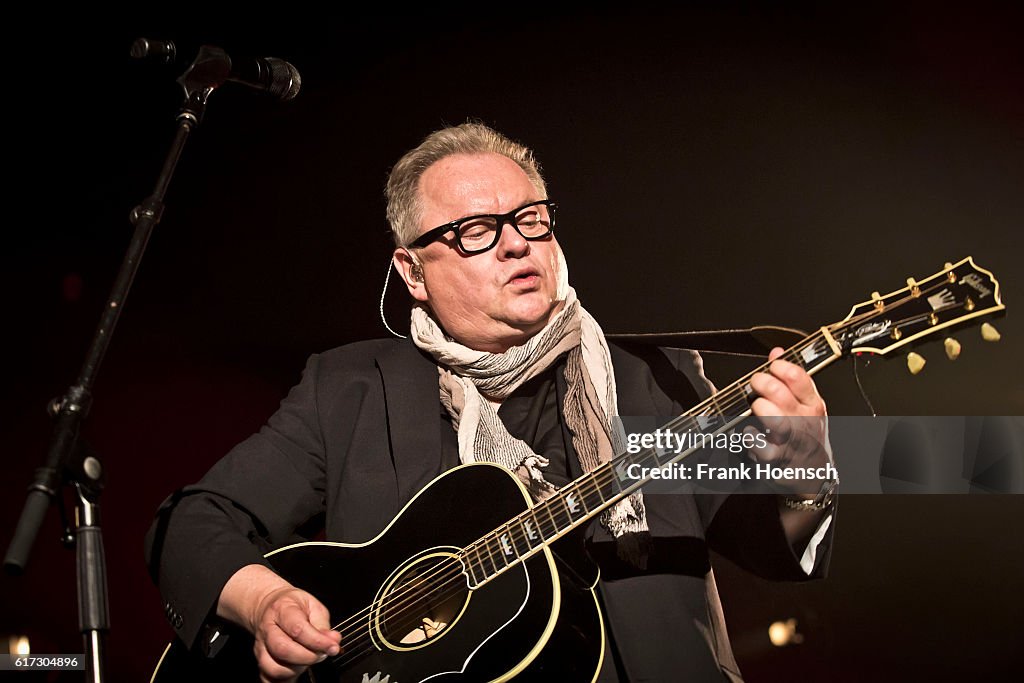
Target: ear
pixel 411 271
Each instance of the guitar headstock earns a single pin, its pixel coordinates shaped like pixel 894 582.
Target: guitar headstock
pixel 956 294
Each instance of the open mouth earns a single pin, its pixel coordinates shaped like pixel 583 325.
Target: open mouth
pixel 524 276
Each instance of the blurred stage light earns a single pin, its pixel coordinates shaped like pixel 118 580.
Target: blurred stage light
pixel 15 645
pixel 783 633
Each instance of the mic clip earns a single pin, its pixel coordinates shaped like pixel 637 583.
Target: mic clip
pixel 211 68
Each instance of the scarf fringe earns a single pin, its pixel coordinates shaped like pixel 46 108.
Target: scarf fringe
pixel 466 375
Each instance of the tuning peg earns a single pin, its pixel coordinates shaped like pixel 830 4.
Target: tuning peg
pixel 990 333
pixel 952 348
pixel 915 289
pixel 915 363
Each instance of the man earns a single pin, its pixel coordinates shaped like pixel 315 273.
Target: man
pixel 506 363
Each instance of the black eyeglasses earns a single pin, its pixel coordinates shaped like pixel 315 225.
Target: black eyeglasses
pixel 476 234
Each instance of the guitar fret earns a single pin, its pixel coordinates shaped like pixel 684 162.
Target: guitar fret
pixel 573 502
pixel 481 565
pixel 709 420
pixel 653 455
pixel 519 541
pixel 547 505
pixel 532 533
pixel 468 555
pixel 603 483
pixel 584 491
pixel 496 552
pixel 559 512
pixel 620 478
pixel 716 408
pixel 506 546
pixel 690 424
pixel 580 498
pixel 490 558
pixel 481 561
pixel 593 498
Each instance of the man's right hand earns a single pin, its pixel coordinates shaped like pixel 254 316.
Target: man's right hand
pixel 292 629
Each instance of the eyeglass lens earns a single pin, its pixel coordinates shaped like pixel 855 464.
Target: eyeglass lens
pixel 481 232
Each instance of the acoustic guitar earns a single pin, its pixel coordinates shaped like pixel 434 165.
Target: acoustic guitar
pixel 467 588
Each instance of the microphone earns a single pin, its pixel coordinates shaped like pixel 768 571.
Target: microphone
pixel 270 74
pixel 156 50
pixel 276 76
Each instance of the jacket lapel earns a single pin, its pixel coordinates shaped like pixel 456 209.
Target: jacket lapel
pixel 413 409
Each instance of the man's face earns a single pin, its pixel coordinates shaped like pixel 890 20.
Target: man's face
pixel 495 299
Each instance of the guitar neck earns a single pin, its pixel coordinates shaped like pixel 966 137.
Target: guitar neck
pixel 958 293
pixel 584 498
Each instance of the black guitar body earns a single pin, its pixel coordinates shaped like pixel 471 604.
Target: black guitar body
pixel 426 623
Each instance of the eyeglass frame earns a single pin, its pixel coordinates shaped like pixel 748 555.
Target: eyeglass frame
pixel 433 234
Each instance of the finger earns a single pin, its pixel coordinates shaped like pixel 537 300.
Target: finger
pixel 770 452
pixel 775 353
pixel 286 651
pixel 798 381
pixel 779 434
pixel 776 393
pixel 320 618
pixel 294 620
pixel 805 397
pixel 774 428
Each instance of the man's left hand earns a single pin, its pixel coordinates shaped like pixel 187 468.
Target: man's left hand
pixel 786 390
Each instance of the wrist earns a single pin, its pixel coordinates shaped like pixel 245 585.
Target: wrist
pixel 245 595
pixel 819 501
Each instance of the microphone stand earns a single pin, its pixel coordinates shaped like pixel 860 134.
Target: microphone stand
pixel 68 461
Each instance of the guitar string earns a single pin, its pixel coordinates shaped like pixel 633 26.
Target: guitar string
pixel 452 579
pixel 460 575
pixel 595 484
pixel 410 592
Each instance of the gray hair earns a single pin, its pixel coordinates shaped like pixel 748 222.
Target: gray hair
pixel 402 191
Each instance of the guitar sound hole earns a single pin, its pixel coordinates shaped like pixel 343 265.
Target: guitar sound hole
pixel 421 602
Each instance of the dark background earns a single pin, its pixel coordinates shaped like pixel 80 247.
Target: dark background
pixel 715 167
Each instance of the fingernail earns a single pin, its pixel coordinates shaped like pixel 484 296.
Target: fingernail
pixel 333 650
pixel 320 658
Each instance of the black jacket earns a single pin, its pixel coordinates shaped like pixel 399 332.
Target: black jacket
pixel 362 433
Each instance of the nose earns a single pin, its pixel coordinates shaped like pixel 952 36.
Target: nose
pixel 510 243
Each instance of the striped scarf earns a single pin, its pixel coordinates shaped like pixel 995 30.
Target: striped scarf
pixel 468 376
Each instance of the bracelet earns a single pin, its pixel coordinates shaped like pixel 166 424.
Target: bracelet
pixel 821 501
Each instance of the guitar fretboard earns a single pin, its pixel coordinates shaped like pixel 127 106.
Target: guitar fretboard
pixel 582 499
pixel 952 296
